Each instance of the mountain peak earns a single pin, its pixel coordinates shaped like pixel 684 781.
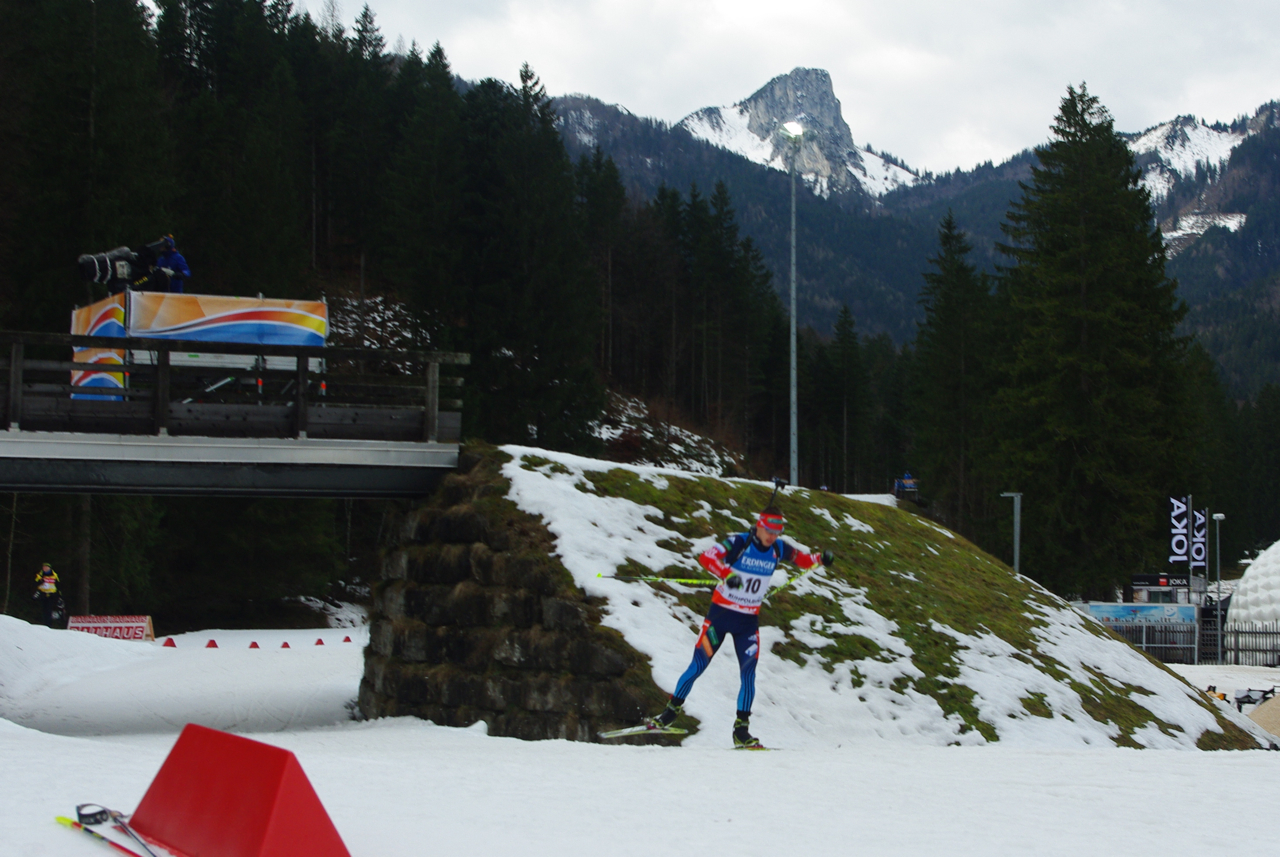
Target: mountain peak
pixel 828 160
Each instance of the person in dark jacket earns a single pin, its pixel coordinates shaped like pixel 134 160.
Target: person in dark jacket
pixel 172 264
pixel 48 595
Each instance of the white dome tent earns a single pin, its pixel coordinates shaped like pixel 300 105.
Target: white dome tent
pixel 1257 596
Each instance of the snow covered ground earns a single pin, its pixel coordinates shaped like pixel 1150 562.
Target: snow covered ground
pixel 405 787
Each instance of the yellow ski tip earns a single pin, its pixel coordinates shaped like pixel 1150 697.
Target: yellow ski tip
pixel 64 821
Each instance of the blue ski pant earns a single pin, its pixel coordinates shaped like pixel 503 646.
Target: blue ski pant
pixel 745 629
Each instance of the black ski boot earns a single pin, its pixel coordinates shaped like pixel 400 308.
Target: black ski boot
pixel 665 717
pixel 742 739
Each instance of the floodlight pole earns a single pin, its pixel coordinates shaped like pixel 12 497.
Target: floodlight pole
pixel 1218 518
pixel 795 421
pixel 1017 528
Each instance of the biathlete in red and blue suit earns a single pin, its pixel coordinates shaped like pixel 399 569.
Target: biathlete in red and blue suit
pixel 744 563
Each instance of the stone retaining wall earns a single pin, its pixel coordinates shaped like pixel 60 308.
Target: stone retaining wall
pixel 475 620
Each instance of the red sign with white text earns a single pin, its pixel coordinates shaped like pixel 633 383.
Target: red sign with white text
pixel 115 627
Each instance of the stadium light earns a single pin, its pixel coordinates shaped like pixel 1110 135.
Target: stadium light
pixel 794 132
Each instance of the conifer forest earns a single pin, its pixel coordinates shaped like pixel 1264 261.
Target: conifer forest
pixel 295 157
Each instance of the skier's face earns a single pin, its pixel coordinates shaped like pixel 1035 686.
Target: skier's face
pixel 766 536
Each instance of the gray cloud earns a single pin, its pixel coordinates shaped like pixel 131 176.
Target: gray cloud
pixel 938 83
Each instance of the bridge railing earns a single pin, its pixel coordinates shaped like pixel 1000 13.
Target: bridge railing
pixel 222 389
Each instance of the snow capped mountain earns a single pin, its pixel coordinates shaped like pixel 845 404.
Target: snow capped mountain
pixel 1182 161
pixel 1179 147
pixel 828 160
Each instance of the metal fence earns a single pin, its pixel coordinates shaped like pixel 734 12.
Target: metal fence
pixel 1255 645
pixel 1167 642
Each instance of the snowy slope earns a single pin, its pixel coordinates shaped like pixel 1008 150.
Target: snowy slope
pixel 78 684
pixel 1180 145
pixel 859 670
pixel 878 176
pixel 402 787
pixel 727 127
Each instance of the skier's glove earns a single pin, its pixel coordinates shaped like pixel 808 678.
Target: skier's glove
pixel 828 558
pixel 733 581
pixel 168 272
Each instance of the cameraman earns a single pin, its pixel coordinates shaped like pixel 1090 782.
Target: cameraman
pixel 170 262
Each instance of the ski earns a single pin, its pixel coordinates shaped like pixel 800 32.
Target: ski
pixel 75 825
pixel 687 581
pixel 644 729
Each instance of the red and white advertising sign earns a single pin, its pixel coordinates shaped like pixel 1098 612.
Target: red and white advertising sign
pixel 115 627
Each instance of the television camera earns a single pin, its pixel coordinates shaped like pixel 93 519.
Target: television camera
pixel 123 268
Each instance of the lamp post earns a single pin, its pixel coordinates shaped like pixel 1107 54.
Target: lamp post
pixel 794 132
pixel 1218 518
pixel 1017 528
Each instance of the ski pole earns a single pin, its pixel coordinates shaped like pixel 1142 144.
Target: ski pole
pixel 808 571
pixel 687 581
pixel 118 818
pixel 75 825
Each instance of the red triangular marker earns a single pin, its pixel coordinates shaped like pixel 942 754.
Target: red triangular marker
pixel 346 639
pixel 285 644
pixel 212 644
pixel 319 642
pixel 222 794
pixel 254 645
pixel 169 643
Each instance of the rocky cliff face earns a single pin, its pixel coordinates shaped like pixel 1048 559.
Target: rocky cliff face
pixel 828 159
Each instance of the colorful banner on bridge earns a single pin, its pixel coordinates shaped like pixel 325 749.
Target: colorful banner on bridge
pixel 203 318
pixel 104 318
pixel 213 318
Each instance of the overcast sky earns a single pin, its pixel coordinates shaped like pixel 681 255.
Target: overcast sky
pixel 939 83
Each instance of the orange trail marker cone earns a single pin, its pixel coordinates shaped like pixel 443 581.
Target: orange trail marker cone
pixel 169 643
pixel 212 644
pixel 285 644
pixel 254 645
pixel 319 642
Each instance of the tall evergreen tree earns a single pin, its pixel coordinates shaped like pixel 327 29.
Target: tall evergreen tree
pixel 950 384
pixel 84 151
pixel 850 393
pixel 422 255
pixel 531 310
pixel 602 200
pixel 1092 431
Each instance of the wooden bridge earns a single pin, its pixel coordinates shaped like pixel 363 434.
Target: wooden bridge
pixel 226 418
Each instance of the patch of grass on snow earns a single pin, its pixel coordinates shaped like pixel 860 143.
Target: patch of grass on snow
pixel 928 584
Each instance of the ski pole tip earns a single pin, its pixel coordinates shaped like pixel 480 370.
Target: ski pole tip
pixel 64 821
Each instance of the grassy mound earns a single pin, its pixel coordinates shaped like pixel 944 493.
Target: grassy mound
pixel 913 634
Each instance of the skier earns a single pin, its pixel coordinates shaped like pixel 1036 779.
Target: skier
pixel 47 594
pixel 171 263
pixel 744 563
